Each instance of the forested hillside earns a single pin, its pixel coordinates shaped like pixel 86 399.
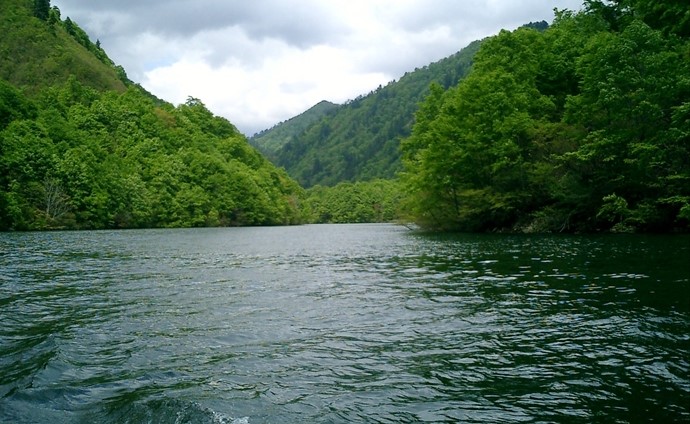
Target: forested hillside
pixel 271 140
pixel 360 140
pixel 582 127
pixel 82 147
pixel 39 49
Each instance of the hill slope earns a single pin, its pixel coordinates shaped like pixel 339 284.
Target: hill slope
pixel 360 140
pixel 37 53
pixel 83 147
pixel 271 140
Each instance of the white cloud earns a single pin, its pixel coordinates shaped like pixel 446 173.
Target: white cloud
pixel 274 90
pixel 261 62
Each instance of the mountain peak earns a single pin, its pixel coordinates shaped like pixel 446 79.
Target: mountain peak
pixel 271 140
pixel 358 140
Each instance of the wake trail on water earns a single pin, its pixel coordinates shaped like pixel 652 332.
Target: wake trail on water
pixel 162 411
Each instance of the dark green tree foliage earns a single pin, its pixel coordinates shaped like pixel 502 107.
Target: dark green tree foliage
pixel 540 26
pixel 13 105
pixel 581 127
pixel 54 16
pixel 360 140
pixel 78 158
pixel 668 16
pixel 42 9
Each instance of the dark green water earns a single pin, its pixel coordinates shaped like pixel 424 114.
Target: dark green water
pixel 339 324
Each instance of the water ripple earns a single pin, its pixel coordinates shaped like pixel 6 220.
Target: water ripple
pixel 363 323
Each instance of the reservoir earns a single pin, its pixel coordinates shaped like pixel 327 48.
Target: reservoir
pixel 341 324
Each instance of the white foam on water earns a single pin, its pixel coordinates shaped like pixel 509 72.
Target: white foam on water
pixel 219 418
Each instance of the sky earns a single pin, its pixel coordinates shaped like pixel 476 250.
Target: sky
pixel 260 62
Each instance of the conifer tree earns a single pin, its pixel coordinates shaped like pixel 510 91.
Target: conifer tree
pixel 42 9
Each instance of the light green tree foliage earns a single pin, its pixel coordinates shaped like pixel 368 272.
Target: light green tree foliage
pixel 81 146
pixel 86 159
pixel 633 84
pixel 360 202
pixel 39 53
pixel 579 127
pixel 471 143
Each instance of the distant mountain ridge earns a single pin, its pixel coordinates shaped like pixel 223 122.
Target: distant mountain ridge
pixel 359 140
pixel 270 141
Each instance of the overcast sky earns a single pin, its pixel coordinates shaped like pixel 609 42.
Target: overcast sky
pixel 259 62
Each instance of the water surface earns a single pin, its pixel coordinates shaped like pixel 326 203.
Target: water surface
pixel 342 323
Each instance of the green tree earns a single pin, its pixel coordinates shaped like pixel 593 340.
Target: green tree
pixel 581 127
pixel 13 105
pixel 360 202
pixel 468 166
pixel 668 16
pixel 42 9
pixel 632 83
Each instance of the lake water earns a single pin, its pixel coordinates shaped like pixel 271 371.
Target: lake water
pixel 341 324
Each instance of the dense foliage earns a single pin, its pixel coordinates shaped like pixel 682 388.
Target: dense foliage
pixel 360 140
pixel 347 202
pixel 83 147
pixel 79 158
pixel 582 127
